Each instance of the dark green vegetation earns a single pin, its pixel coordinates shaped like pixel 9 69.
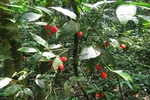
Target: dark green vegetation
pixel 74 50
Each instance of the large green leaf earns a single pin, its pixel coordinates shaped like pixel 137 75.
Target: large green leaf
pixel 28 17
pixel 88 53
pixel 125 13
pixel 69 29
pixel 39 81
pixel 12 89
pixel 4 82
pixel 39 40
pixel 28 92
pixel 124 75
pixel 65 12
pixel 27 49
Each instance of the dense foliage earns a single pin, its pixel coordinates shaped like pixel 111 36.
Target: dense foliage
pixel 77 50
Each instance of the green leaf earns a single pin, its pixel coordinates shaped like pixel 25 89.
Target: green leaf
pixel 69 29
pixel 96 5
pixel 39 40
pixel 28 92
pixel 88 53
pixel 4 82
pixel 125 13
pixel 55 46
pixel 5 57
pixel 40 83
pixel 28 17
pixel 68 87
pixel 12 89
pixel 124 75
pixel 108 56
pixel 65 12
pixel 44 9
pixel 56 63
pixel 27 49
pixel 146 18
pixel 74 78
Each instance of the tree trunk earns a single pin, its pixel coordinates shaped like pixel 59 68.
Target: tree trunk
pixel 10 39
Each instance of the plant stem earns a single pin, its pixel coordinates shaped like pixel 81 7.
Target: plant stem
pixel 120 89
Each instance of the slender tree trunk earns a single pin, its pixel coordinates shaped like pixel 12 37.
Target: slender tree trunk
pixel 10 39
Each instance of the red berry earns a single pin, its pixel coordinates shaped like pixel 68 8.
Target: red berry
pixel 47 27
pixel 97 95
pixel 49 33
pixel 80 34
pixel 11 81
pixel 54 29
pixel 24 57
pixel 61 66
pixel 64 59
pixel 123 46
pixel 102 94
pixel 106 44
pixel 52 68
pixel 87 69
pixel 101 53
pixel 103 75
pixel 98 67
pixel 50 62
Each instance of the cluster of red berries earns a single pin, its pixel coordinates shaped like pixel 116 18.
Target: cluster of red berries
pixel 60 66
pixel 98 95
pixel 102 74
pixel 51 29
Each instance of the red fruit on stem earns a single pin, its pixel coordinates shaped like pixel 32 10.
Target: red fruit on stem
pixel 54 29
pixel 106 44
pixel 123 46
pixel 50 62
pixel 47 27
pixel 103 75
pixel 97 95
pixel 80 34
pixel 102 94
pixel 87 69
pixel 52 68
pixel 98 67
pixel 101 53
pixel 64 59
pixel 61 66
pixel 24 57
pixel 49 33
pixel 11 81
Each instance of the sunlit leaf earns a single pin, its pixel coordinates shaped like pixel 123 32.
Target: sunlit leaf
pixel 124 75
pixel 39 40
pixel 114 43
pixel 69 29
pixel 28 17
pixel 4 82
pixel 48 55
pixel 44 9
pixel 125 13
pixel 96 5
pixel 40 83
pixel 28 92
pixel 27 49
pixel 147 18
pixel 88 52
pixel 55 46
pixel 65 12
